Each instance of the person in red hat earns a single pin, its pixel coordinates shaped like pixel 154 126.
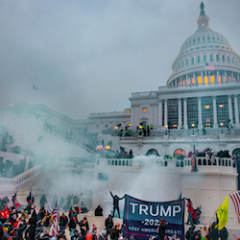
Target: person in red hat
pixel 161 229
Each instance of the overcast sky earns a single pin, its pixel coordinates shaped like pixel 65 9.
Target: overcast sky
pixel 90 55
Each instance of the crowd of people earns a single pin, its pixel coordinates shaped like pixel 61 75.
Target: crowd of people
pixel 18 222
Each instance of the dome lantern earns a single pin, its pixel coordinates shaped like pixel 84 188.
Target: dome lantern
pixel 203 19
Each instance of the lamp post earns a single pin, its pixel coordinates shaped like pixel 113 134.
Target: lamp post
pixel 166 129
pixel 221 124
pixel 116 128
pixel 193 126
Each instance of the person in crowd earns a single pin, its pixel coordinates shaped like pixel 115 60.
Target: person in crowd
pixel 161 229
pixel 115 233
pixel 42 213
pixel 190 233
pixel 190 211
pixel 47 221
pixel 75 200
pixel 43 201
pixel 108 225
pixel 148 130
pixel 72 224
pixel 116 203
pixel 94 232
pixel 63 221
pixel 99 211
pixel 84 223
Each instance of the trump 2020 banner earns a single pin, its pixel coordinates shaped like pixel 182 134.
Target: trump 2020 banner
pixel 141 218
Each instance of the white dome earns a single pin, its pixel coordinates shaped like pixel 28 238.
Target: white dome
pixel 203 47
pixel 205 37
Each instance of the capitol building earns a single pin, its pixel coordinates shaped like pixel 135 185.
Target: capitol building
pixel 198 109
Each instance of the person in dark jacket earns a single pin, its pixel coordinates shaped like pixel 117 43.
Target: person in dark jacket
pixel 108 225
pixel 63 223
pixel 190 233
pixel 32 227
pixel 72 225
pixel 84 223
pixel 116 232
pixel 161 229
pixel 224 234
pixel 116 203
pixel 99 211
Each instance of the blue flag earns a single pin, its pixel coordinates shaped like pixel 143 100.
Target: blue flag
pixel 141 218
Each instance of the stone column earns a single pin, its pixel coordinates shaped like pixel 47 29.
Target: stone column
pixel 160 113
pixel 225 75
pixel 202 84
pixel 194 77
pixel 165 112
pixel 232 76
pixel 238 77
pixel 236 110
pixel 132 116
pixel 230 108
pixel 200 126
pixel 179 113
pixel 215 125
pixel 186 80
pixel 185 113
pixel 217 80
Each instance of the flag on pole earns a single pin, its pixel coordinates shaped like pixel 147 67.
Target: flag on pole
pixel 222 213
pixel 55 221
pixel 236 202
pixel 209 66
pixel 49 207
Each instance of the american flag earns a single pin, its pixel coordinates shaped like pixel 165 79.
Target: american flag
pixel 236 202
pixel 209 67
pixel 55 221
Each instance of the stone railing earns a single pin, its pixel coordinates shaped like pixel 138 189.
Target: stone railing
pixel 69 141
pixel 11 184
pixel 107 114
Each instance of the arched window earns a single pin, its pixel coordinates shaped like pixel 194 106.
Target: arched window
pixel 192 60
pixel 123 163
pixel 119 163
pixel 217 58
pixel 127 163
pixel 115 162
pixel 236 152
pixel 152 152
pixel 198 59
pixel 211 58
pixel 179 152
pixel 223 58
pixel 186 62
pixel 112 162
pixel 200 161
